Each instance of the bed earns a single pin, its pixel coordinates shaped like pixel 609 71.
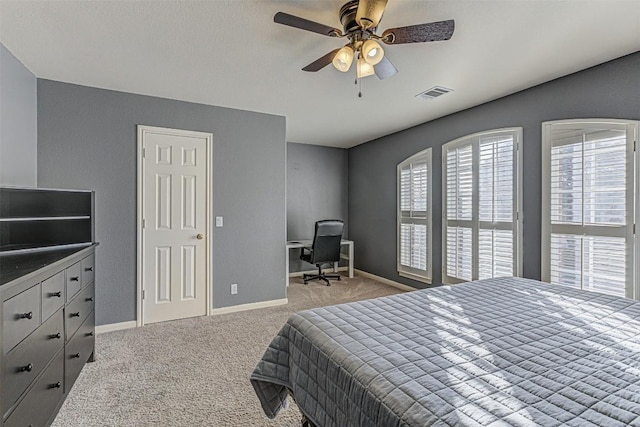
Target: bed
pixel 495 352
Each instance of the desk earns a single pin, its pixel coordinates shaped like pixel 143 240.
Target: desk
pixel 296 244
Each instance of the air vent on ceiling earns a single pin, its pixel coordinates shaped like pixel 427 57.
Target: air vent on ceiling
pixel 433 92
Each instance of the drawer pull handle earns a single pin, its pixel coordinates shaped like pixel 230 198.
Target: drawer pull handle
pixel 77 314
pixel 88 269
pixel 89 334
pixel 28 315
pixel 89 299
pixel 27 368
pixel 56 385
pixel 75 356
pixel 74 279
pixel 55 336
pixel 55 294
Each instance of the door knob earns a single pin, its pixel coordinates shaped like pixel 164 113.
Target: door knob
pixel 199 236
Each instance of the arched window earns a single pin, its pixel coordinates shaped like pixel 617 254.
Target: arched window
pixel 588 172
pixel 481 206
pixel 414 217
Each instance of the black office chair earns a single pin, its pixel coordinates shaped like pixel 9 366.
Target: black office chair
pixel 325 249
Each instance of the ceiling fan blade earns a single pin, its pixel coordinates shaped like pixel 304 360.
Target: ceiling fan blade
pixel 384 69
pixel 305 24
pixel 370 13
pixel 320 63
pixel 430 32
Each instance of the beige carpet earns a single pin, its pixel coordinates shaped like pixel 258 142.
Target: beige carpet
pixel 194 372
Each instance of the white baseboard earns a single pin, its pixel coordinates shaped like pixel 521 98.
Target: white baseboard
pixel 327 270
pixel 386 281
pixel 101 329
pixel 234 308
pixel 250 306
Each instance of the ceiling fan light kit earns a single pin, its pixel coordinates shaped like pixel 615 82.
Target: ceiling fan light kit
pixel 372 52
pixel 343 59
pixel 364 69
pixel 360 20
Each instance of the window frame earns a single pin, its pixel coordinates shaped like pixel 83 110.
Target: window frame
pixel 425 276
pixel 474 223
pixel 632 287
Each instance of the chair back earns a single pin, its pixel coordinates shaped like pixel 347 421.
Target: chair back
pixel 326 241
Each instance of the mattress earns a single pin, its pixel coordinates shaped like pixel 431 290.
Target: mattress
pixel 494 352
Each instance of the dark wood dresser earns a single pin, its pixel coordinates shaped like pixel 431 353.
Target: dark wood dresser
pixel 47 296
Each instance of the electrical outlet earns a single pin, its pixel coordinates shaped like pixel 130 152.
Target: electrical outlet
pixel 234 288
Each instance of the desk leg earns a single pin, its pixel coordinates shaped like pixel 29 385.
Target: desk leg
pixel 286 263
pixel 351 260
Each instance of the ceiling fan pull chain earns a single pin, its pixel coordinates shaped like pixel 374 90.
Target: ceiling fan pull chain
pixel 360 88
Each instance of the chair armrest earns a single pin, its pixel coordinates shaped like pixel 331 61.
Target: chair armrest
pixel 306 254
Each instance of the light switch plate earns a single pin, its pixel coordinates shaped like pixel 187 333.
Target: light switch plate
pixel 219 221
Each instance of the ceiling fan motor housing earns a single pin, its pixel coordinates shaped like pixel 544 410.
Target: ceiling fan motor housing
pixel 348 17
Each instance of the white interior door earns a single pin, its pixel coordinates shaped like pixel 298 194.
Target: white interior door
pixel 174 219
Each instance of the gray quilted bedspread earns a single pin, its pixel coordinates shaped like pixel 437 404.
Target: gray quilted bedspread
pixel 512 352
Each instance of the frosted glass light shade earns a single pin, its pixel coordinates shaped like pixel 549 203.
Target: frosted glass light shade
pixel 343 59
pixel 364 68
pixel 372 52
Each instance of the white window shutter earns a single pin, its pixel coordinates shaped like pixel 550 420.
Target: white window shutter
pixel 419 193
pixel 459 253
pixel 419 247
pixel 588 196
pixel 496 182
pixel 495 253
pixel 414 217
pixel 405 188
pixel 459 182
pixel 481 205
pixel 496 206
pixel 405 245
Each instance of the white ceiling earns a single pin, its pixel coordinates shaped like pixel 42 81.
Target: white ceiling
pixel 232 54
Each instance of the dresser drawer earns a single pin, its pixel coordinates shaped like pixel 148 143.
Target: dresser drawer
pixel 23 364
pixel 78 310
pixel 38 406
pixel 87 270
pixel 78 351
pixel 73 280
pixel 52 295
pixel 20 317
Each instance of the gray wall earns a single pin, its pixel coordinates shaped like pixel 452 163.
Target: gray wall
pixel 316 189
pixel 87 139
pixel 610 90
pixel 18 123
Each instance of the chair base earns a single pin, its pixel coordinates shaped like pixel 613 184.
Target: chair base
pixel 320 276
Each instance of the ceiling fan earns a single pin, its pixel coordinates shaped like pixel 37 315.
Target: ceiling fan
pixel 360 19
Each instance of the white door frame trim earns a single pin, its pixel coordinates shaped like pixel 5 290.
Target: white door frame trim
pixel 142 129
